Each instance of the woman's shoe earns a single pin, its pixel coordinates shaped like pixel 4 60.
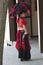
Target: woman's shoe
pixel 22 59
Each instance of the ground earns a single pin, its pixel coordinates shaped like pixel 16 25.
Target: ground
pixel 10 55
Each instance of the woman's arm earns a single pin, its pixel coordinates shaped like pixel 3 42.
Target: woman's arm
pixel 24 28
pixel 26 32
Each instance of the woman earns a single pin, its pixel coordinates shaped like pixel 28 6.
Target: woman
pixel 22 40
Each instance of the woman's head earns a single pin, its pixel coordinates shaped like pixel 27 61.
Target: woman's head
pixel 23 14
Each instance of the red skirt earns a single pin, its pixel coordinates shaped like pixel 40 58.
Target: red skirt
pixel 22 42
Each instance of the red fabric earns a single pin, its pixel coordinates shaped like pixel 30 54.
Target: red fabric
pixel 21 43
pixel 18 41
pixel 21 22
pixel 17 21
pixel 17 47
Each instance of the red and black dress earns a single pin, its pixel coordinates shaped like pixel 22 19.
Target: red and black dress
pixel 22 43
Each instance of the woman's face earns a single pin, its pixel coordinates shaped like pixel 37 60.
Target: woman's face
pixel 23 15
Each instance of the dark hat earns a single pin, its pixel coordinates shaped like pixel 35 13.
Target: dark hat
pixel 19 8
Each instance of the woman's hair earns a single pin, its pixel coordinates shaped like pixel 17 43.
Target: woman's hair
pixel 19 15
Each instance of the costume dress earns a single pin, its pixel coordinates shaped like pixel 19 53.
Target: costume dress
pixel 22 41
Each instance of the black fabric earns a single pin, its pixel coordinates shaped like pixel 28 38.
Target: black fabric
pixel 21 53
pixel 26 41
pixel 25 54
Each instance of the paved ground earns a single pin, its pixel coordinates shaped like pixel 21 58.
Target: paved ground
pixel 10 56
